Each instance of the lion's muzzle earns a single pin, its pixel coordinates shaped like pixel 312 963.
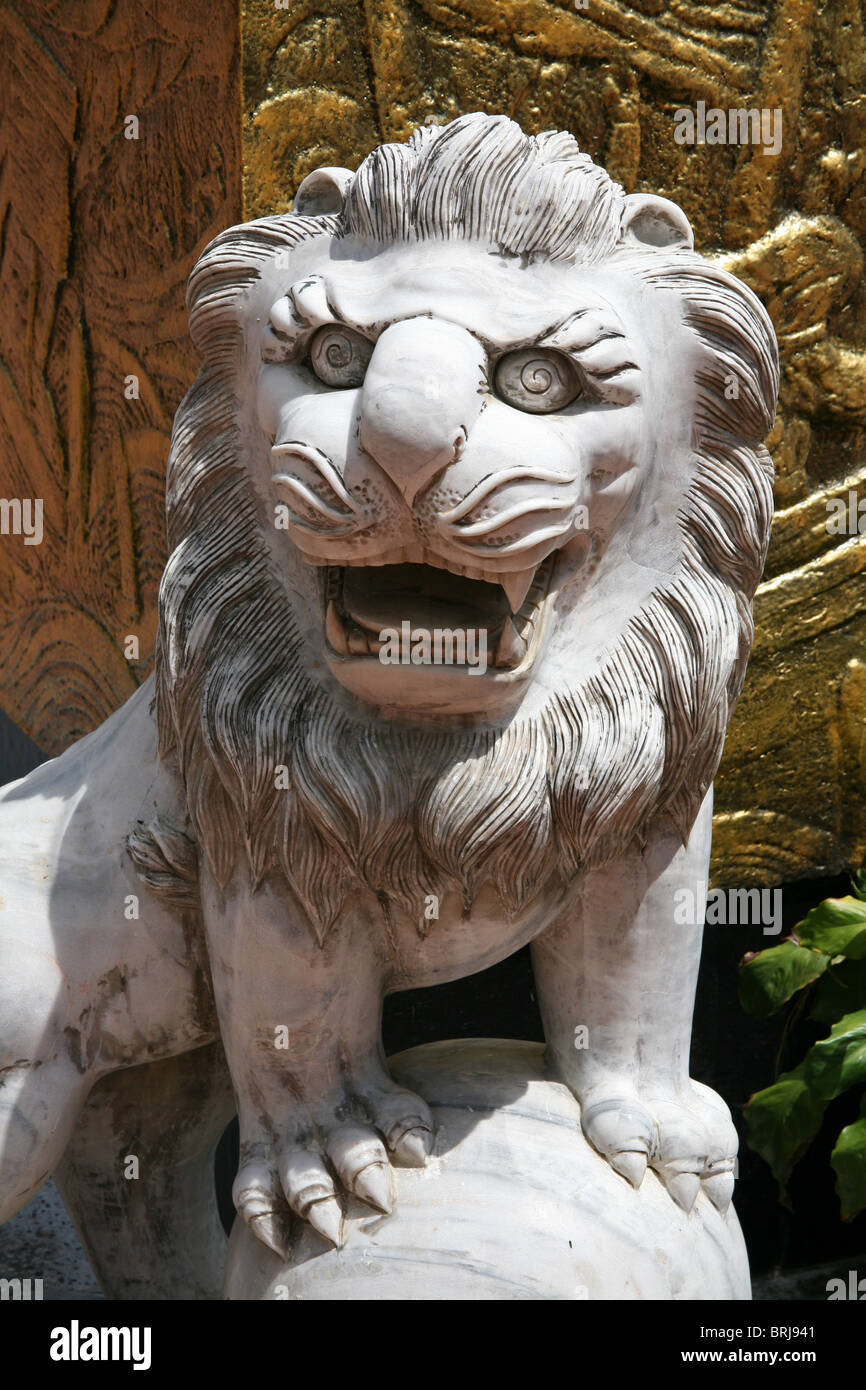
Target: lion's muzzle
pixel 421 396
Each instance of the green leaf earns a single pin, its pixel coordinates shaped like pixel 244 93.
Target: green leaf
pixel 771 977
pixel 840 990
pixel 858 883
pixel 849 1163
pixel 837 1062
pixel 836 926
pixel 781 1121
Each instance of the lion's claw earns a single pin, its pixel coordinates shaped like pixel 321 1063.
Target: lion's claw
pixel 412 1148
pixel 374 1186
pixel 686 1137
pixel 617 1126
pixel 305 1180
pixel 255 1199
pixel 629 1165
pixel 361 1161
pixel 683 1187
pixel 326 1217
pixel 347 1156
pixel 719 1187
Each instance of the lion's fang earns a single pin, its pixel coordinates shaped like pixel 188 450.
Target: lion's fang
pixel 512 648
pixel 335 632
pixel 516 586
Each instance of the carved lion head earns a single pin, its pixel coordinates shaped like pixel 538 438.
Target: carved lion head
pixel 471 390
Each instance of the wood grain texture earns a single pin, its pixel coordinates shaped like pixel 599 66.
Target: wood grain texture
pixel 97 236
pixel 323 82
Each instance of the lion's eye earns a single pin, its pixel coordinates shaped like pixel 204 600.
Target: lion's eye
pixel 538 381
pixel 339 356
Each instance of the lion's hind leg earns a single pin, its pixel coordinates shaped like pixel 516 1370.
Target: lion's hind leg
pixel 138 1177
pixel 39 1104
pixel 43 1080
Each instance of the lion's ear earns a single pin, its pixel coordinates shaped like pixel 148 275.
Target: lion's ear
pixel 322 192
pixel 651 221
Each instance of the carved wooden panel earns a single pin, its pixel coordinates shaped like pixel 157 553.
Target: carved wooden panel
pixel 99 232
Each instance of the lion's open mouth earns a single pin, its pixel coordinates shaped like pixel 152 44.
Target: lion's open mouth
pixel 376 611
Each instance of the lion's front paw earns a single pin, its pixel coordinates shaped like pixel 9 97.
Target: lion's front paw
pixel 345 1145
pixel 685 1135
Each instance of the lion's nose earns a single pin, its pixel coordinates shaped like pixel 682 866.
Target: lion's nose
pixel 421 396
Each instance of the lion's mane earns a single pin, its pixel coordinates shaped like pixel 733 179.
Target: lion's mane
pixel 407 811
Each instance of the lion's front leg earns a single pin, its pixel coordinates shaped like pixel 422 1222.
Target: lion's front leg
pixel 319 1113
pixel 616 979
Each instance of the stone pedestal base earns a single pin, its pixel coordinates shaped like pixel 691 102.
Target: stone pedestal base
pixel 514 1204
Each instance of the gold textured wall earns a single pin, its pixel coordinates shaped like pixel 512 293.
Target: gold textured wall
pixel 98 237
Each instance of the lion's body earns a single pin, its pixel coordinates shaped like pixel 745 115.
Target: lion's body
pixel 88 999
pixel 69 898
pixel 516 413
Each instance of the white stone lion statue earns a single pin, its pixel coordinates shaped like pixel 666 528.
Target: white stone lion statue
pixel 466 509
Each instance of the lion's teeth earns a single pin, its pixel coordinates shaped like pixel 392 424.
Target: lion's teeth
pixel 335 631
pixel 512 648
pixel 516 586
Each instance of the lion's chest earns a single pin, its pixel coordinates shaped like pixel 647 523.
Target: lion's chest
pixel 446 943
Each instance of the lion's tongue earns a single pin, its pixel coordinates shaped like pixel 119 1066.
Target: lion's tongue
pixel 385 597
